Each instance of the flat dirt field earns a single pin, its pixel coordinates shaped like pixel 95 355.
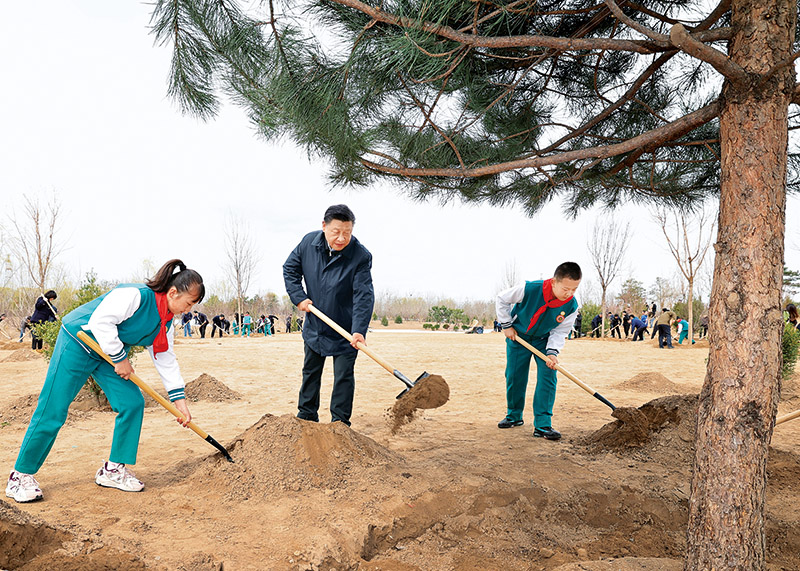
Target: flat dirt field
pixel 446 491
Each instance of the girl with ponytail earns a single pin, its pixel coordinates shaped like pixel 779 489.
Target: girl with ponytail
pixel 126 316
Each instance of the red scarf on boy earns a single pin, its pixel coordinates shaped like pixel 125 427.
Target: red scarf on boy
pixel 161 343
pixel 549 301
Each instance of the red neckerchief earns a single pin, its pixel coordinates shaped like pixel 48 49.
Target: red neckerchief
pixel 549 301
pixel 161 343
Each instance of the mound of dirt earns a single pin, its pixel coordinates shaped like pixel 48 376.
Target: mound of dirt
pixel 668 426
pixel 430 392
pixel 30 544
pixel 10 345
pixel 23 354
pixel 649 382
pixel 206 387
pixel 20 410
pixel 280 453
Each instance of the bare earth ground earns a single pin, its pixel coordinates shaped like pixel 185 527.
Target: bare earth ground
pixel 447 491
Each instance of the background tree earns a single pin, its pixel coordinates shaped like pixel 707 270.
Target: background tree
pixel 34 241
pixel 791 282
pixel 516 102
pixel 607 247
pixel 241 257
pixel 688 237
pixel 632 294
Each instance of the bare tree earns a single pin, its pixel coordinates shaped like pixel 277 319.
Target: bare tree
pixel 510 276
pixel 34 242
pixel 242 258
pixel 607 248
pixel 688 238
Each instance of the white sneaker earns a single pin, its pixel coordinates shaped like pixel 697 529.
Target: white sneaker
pixel 118 476
pixel 23 487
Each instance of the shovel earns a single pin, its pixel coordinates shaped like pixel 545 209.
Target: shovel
pixel 341 331
pixel 91 343
pixel 563 371
pixel 785 417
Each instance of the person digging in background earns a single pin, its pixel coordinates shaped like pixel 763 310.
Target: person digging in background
pixel 542 313
pixel 128 315
pixel 42 313
pixel 337 273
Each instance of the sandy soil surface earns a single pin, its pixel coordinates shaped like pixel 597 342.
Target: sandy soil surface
pixel 446 491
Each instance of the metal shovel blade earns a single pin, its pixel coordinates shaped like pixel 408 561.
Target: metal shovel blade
pixel 409 384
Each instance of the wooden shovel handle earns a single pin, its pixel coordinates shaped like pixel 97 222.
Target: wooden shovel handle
pixel 343 332
pixel 785 417
pixel 93 345
pixel 559 368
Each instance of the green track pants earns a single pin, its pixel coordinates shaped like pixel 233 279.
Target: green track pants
pixel 69 368
pixel 518 362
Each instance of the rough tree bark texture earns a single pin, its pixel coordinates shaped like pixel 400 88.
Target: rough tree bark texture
pixel 740 394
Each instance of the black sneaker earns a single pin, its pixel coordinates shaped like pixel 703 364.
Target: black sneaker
pixel 547 433
pixel 509 423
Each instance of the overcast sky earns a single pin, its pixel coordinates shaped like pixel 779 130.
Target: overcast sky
pixel 84 114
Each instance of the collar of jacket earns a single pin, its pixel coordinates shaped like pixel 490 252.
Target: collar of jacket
pixel 322 245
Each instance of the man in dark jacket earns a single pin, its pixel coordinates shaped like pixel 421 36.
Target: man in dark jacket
pixel 337 273
pixel 219 324
pixel 202 322
pixel 44 311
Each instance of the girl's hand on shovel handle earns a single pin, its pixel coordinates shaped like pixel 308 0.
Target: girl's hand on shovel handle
pixel 511 333
pixel 124 369
pixel 184 409
pixel 552 362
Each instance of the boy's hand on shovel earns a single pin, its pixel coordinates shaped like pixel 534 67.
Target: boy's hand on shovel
pixel 124 369
pixel 511 333
pixel 184 410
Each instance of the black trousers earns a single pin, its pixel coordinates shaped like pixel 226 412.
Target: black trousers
pixel 36 342
pixel 217 329
pixel 626 327
pixel 664 336
pixel 638 333
pixel 203 330
pixel 344 385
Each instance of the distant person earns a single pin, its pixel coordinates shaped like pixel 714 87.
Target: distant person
pixel 247 321
pixel 218 324
pixel 126 316
pixel 541 313
pixel 25 323
pixel 202 323
pixel 626 323
pixel 272 320
pixel 794 317
pixel 704 325
pixel 596 324
pixel 664 327
pixel 289 324
pixel 337 272
pixel 576 327
pixel 614 323
pixel 186 322
pixel 44 311
pixel 639 326
pixel 683 330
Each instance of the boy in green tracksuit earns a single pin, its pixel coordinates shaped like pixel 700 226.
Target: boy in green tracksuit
pixel 542 313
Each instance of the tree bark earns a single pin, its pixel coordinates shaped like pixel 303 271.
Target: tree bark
pixel 739 398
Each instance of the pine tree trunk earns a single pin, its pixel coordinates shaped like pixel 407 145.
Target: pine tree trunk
pixel 739 398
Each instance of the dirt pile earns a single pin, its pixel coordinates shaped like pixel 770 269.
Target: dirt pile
pixel 10 345
pixel 205 387
pixel 20 410
pixel 649 382
pixel 23 354
pixel 430 392
pixel 280 453
pixel 28 543
pixel 668 430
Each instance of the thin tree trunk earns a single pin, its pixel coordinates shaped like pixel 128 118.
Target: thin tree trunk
pixel 603 315
pixel 690 300
pixel 740 394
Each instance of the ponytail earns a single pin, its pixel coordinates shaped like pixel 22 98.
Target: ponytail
pixel 183 281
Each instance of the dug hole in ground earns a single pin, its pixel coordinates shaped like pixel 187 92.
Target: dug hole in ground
pixel 446 490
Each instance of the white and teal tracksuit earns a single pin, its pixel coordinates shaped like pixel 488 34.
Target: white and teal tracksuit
pixel 515 308
pixel 124 317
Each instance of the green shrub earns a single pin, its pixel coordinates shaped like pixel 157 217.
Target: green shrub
pixel 385 321
pixel 790 342
pixel 427 325
pixel 374 316
pixel 446 326
pixel 398 319
pixel 436 327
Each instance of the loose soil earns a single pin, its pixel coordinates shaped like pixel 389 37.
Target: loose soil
pixel 22 354
pixel 429 392
pixel 206 387
pixel 446 491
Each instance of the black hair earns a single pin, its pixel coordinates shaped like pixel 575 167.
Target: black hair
pixel 183 281
pixel 51 294
pixel 339 212
pixel 569 270
pixel 792 312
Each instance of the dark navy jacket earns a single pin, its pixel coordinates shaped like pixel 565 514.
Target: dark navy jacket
pixel 42 312
pixel 339 284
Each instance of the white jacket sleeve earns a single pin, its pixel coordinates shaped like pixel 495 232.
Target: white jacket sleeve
pixel 118 305
pixel 167 366
pixel 505 301
pixel 558 336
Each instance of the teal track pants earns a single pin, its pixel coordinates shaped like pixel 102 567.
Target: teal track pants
pixel 69 368
pixel 518 362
